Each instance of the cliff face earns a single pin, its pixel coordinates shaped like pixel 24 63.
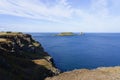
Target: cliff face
pixel 23 58
pixel 103 73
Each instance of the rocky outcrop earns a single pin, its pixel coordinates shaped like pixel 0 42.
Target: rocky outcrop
pixel 23 58
pixel 103 73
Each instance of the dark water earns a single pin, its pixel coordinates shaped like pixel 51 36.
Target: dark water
pixel 90 51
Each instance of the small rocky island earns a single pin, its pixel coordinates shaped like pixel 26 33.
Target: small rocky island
pixel 66 34
pixel 23 58
pixel 70 34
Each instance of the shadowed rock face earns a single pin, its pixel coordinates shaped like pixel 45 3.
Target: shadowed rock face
pixel 23 58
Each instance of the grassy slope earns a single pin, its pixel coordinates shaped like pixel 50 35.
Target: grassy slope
pixel 22 64
pixel 105 73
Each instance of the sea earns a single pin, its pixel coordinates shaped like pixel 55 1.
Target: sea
pixel 88 51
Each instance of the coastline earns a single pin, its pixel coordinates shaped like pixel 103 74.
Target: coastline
pixel 23 58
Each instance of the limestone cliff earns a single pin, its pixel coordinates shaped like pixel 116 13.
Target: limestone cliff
pixel 23 58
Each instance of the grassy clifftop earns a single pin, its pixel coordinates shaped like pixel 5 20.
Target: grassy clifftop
pixel 23 58
pixel 104 73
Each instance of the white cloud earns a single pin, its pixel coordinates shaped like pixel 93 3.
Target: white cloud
pixel 2 28
pixel 59 10
pixel 98 16
pixel 35 9
pixel 100 7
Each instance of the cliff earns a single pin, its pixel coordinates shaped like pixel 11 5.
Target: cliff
pixel 23 58
pixel 103 73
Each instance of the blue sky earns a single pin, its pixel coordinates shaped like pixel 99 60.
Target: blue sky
pixel 60 15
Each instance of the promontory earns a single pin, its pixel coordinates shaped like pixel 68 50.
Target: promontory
pixel 23 58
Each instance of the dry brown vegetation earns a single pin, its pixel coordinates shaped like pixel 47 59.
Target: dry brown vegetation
pixel 45 63
pixel 103 73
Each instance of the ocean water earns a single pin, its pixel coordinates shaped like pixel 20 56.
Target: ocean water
pixel 89 51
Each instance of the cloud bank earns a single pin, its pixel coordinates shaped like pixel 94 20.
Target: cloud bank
pixel 100 14
pixel 36 9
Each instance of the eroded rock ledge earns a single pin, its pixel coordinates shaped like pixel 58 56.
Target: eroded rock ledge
pixel 23 58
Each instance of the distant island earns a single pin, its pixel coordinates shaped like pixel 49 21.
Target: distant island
pixel 66 34
pixel 69 34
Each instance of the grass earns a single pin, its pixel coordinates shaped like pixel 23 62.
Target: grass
pixel 4 40
pixel 22 64
pixel 43 62
pixel 36 44
pixel 10 33
pixel 106 73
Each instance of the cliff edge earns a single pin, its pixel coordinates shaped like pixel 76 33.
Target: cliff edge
pixel 23 58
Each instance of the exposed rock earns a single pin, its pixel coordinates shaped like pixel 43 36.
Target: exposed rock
pixel 81 33
pixel 23 58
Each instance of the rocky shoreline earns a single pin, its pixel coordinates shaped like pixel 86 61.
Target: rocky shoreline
pixel 23 58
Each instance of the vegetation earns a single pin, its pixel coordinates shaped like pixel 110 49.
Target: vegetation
pixel 109 73
pixel 22 58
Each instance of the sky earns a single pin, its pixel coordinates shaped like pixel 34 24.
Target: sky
pixel 60 15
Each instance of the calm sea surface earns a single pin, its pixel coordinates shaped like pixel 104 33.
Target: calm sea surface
pixel 90 51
